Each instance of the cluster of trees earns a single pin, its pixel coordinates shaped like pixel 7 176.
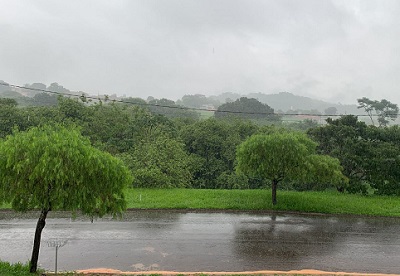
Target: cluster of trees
pixel 369 155
pixel 167 149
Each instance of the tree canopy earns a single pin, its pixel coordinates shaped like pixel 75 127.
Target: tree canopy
pixel 384 110
pixel 55 168
pixel 246 108
pixel 286 155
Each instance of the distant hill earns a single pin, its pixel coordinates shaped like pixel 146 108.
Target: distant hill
pixel 285 101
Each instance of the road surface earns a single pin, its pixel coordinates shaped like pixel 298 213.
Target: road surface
pixel 225 241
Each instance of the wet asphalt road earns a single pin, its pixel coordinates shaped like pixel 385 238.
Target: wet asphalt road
pixel 185 241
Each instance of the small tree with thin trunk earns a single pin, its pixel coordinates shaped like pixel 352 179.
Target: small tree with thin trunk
pixel 289 156
pixel 55 168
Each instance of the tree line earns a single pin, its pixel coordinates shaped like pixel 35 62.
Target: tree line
pixel 169 148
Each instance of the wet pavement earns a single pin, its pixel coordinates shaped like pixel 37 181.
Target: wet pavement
pixel 187 241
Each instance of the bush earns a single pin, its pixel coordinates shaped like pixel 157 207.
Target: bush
pixel 18 269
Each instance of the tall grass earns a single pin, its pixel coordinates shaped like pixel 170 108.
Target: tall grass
pixel 18 269
pixel 329 202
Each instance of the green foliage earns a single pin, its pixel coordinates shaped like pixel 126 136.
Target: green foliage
pixel 369 155
pixel 384 109
pixel 329 202
pixel 246 109
pixel 286 155
pixel 73 110
pixel 55 168
pixel 160 162
pixel 17 269
pixel 227 180
pixel 4 102
pixel 212 144
pixel 45 99
pixel 274 156
pixel 112 127
pixel 10 116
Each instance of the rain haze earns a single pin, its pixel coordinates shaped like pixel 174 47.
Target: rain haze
pixel 334 50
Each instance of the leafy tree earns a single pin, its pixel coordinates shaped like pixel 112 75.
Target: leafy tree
pixel 211 145
pixel 111 127
pixel 286 155
pixel 331 110
pixel 368 154
pixel 55 168
pixel 344 138
pixel 45 99
pixel 246 108
pixel 39 115
pixel 160 162
pixel 135 101
pixel 10 116
pixel 384 109
pixel 383 161
pixel 73 110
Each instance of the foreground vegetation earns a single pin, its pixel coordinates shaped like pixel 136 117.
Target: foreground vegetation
pixel 18 269
pixel 168 146
pixel 328 202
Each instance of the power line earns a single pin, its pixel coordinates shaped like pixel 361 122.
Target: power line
pixel 83 96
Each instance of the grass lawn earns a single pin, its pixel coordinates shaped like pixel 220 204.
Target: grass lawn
pixel 330 202
pixel 18 269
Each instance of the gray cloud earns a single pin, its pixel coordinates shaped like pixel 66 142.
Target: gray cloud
pixel 336 50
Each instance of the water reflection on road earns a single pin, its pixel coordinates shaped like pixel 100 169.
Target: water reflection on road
pixel 187 241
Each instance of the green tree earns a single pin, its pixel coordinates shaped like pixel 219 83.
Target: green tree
pixel 160 162
pixel 384 110
pixel 369 154
pixel 330 111
pixel 211 145
pixel 246 108
pixel 45 99
pixel 10 116
pixel 345 138
pixel 286 156
pixel 55 168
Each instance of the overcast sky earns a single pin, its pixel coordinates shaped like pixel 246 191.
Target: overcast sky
pixel 335 50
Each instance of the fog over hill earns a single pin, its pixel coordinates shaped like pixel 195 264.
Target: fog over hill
pixel 280 102
pixel 285 101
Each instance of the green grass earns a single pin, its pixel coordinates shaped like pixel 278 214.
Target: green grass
pixel 329 202
pixel 18 269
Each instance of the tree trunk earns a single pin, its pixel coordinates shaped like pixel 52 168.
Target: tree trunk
pixel 274 185
pixel 36 244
